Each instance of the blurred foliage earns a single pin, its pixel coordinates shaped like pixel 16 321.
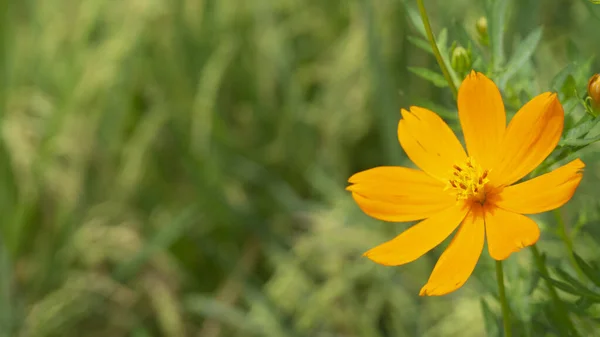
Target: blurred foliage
pixel 177 167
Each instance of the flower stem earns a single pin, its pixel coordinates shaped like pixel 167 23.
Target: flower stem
pixel 558 304
pixel 503 301
pixel 436 51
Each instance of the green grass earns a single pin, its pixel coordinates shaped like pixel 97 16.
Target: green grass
pixel 177 168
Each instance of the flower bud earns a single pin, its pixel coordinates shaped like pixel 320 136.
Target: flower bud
pixel 594 90
pixel 482 28
pixel 461 60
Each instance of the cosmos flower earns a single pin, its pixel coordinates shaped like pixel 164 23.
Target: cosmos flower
pixel 477 192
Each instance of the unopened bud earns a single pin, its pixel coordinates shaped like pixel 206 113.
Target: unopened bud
pixel 461 60
pixel 482 29
pixel 594 89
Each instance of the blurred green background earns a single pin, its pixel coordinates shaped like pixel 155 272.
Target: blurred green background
pixel 177 167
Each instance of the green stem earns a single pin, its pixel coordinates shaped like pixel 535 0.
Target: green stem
pixel 503 301
pixel 567 240
pixel 558 304
pixel 436 51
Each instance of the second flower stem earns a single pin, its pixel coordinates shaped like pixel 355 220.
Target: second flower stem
pixel 436 50
pixel 503 301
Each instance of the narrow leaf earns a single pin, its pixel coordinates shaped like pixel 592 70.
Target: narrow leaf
pixel 582 129
pixel 521 55
pixel 559 79
pixel 442 40
pixel 583 303
pixel 420 43
pixel 496 13
pixel 573 282
pixel 579 142
pixel 207 307
pixel 563 286
pixel 533 283
pixel 437 79
pixel 588 270
pixel 414 17
pixel 490 319
pixel 442 44
pixel 569 86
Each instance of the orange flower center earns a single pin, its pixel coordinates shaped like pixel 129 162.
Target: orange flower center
pixel 468 181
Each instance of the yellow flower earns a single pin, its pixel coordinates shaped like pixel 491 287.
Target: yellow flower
pixel 473 191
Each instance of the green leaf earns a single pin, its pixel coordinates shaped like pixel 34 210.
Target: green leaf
pixel 521 55
pixel 161 240
pixel 569 104
pixel 579 142
pixel 436 78
pixel 559 79
pixel 140 331
pixel 414 17
pixel 593 10
pixel 588 270
pixel 582 129
pixel 490 319
pixel 578 286
pixel 496 13
pixel 563 286
pixel 569 86
pixel 442 44
pixel 533 283
pixel 572 51
pixel 442 40
pixel 208 307
pixel 420 43
pixel 583 303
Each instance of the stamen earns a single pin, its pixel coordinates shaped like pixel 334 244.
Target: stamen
pixel 469 181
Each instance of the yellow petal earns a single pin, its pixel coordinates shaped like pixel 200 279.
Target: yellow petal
pixel 543 193
pixel 530 137
pixel 482 118
pixel 418 239
pixel 429 142
pixel 508 232
pixel 398 194
pixel 458 261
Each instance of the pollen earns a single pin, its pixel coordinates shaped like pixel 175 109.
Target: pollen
pixel 468 181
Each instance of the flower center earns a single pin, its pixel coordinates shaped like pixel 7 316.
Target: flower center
pixel 468 181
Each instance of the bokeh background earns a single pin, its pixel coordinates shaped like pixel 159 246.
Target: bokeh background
pixel 177 167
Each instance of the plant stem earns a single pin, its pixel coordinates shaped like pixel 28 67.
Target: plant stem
pixel 558 304
pixel 436 51
pixel 503 301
